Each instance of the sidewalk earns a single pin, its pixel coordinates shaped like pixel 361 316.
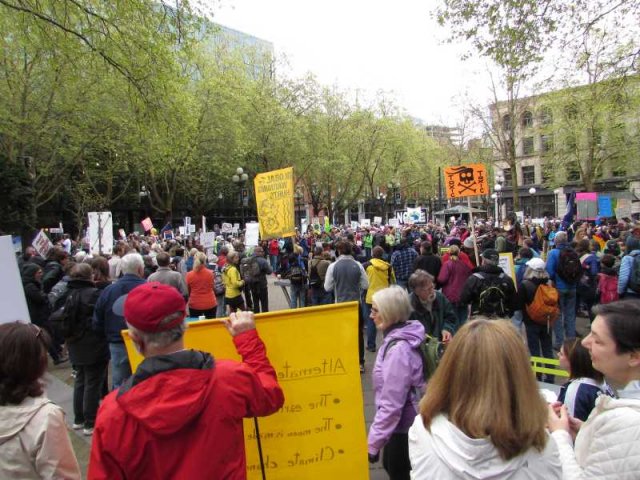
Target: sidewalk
pixel 59 385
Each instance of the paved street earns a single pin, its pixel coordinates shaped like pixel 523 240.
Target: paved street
pixel 60 382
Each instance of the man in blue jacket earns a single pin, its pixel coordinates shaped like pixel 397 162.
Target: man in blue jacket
pixel 565 326
pixel 109 324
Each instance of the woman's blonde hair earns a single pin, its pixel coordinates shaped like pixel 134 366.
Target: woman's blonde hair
pixel 393 305
pixel 485 386
pixel 454 252
pixel 199 261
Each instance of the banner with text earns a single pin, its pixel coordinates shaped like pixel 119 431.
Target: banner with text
pixel 274 200
pixel 320 431
pixel 466 180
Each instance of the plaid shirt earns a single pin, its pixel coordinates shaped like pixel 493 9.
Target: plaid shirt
pixel 402 261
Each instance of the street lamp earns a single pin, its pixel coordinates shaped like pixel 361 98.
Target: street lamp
pixel 240 178
pixel 497 188
pixel 532 192
pixel 394 187
pixel 299 196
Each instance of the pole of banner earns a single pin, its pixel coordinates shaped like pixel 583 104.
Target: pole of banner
pixel 264 475
pixel 473 232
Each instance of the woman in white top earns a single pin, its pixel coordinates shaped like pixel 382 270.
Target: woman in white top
pixel 607 445
pixel 483 416
pixel 34 443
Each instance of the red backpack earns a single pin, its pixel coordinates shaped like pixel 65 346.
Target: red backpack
pixel 608 288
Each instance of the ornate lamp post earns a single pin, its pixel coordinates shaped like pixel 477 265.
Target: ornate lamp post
pixel 240 178
pixel 497 196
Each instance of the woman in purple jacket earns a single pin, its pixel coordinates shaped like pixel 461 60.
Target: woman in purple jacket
pixel 397 380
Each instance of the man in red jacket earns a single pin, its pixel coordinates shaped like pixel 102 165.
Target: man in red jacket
pixel 180 414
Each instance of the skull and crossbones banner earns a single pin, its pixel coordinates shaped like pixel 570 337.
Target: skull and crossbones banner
pixel 466 180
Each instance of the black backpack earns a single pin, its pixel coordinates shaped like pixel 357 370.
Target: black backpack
pixel 314 276
pixel 71 320
pixel 493 297
pixel 569 266
pixel 297 275
pixel 250 269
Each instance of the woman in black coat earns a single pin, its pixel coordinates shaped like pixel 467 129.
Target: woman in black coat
pixel 89 351
pixel 39 310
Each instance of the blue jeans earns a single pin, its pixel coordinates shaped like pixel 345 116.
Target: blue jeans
pixel 298 294
pixel 565 326
pixel 319 296
pixel 539 341
pixel 120 367
pixel 274 262
pixel 517 319
pixel 371 329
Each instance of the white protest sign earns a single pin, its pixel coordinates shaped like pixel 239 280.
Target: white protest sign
pixel 508 267
pixel 354 224
pixel 204 223
pixel 192 228
pixel 207 239
pixel 12 299
pixel 366 222
pixel 100 233
pixel 181 231
pixel 252 234
pixel 377 220
pixel 226 228
pixel 393 222
pixel 42 244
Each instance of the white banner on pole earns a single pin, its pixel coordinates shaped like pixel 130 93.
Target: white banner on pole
pixel 100 233
pixel 252 234
pixel 12 299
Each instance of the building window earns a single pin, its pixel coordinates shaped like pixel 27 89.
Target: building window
pixel 506 123
pixel 573 172
pixel 546 143
pixel 528 175
pixel 527 119
pixel 546 117
pixel 508 181
pixel 527 146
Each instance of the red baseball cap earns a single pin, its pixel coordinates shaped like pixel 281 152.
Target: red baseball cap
pixel 147 305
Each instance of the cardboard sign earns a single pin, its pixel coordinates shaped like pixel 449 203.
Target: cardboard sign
pixel 275 203
pixel 100 233
pixel 42 244
pixel 207 239
pixel 251 236
pixel 147 224
pixel 466 180
pixel 12 298
pixel 320 431
pixel 508 267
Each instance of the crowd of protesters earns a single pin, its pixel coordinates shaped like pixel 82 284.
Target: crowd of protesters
pixel 450 274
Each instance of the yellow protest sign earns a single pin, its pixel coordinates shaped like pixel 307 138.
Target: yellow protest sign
pixel 275 203
pixel 320 431
pixel 466 180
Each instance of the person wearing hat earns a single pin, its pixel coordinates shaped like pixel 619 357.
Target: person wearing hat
pixel 539 337
pixel 180 415
pixel 489 290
